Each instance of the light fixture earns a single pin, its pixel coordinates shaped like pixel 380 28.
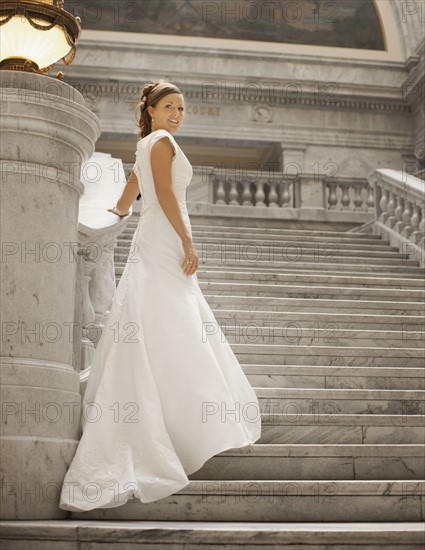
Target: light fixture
pixel 35 34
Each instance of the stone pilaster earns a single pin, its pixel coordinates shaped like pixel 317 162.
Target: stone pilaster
pixel 414 93
pixel 292 161
pixel 47 133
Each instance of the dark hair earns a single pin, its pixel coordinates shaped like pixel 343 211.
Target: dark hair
pixel 151 94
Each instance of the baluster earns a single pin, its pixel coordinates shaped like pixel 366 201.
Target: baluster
pixel 421 236
pixel 370 201
pixel 221 193
pixel 286 195
pixel 345 199
pixel 416 221
pixel 246 193
pixel 102 285
pixel 358 199
pixel 259 194
pixel 273 197
pixel 391 219
pixel 279 191
pixel 407 218
pixel 332 198
pixel 87 313
pixel 233 193
pixel 383 206
pixel 398 213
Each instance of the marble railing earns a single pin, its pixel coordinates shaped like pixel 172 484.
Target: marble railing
pixel 253 189
pixel 273 194
pixel 353 194
pixel 103 178
pixel 400 199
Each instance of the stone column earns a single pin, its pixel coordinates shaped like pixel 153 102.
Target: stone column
pixel 47 133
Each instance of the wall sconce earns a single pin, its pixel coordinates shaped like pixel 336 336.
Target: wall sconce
pixel 35 34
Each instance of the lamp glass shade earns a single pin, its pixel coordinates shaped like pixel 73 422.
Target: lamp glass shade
pixel 19 39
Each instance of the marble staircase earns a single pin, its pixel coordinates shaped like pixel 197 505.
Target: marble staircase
pixel 329 328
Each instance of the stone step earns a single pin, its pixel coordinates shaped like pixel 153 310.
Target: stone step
pixel 260 259
pixel 333 401
pixel 204 535
pixel 211 229
pixel 278 232
pixel 352 382
pixel 329 321
pixel 231 288
pixel 272 500
pixel 248 333
pixel 311 281
pixel 257 254
pixel 300 428
pixel 222 215
pixel 314 461
pixel 275 354
pixel 289 239
pixel 326 377
pixel 290 242
pixel 261 303
pixel 380 268
pixel 326 270
pixel 300 269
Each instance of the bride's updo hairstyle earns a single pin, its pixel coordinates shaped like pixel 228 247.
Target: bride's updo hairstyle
pixel 151 94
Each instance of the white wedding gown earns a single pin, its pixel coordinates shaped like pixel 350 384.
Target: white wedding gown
pixel 165 391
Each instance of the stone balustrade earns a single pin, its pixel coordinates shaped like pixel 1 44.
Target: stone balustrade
pixel 306 197
pixel 250 189
pixel 352 194
pixel 104 179
pixel 399 210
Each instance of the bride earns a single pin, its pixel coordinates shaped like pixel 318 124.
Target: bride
pixel 165 391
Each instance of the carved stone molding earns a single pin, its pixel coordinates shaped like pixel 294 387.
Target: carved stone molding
pixel 331 95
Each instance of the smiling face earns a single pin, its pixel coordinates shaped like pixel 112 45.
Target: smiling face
pixel 168 113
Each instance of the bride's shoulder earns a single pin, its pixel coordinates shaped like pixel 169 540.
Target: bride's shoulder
pixel 153 136
pixel 162 131
pixel 149 136
pixel 155 132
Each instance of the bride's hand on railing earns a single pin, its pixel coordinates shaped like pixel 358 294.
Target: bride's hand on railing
pixel 114 210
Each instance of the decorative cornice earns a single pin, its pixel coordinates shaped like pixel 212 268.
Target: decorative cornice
pixel 297 94
pixel 137 43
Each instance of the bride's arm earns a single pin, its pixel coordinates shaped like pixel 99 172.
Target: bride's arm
pixel 161 158
pixel 128 196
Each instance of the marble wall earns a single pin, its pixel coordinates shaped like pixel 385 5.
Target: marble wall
pixel 348 116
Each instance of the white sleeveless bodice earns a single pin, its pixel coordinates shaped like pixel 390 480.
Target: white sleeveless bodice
pixel 181 169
